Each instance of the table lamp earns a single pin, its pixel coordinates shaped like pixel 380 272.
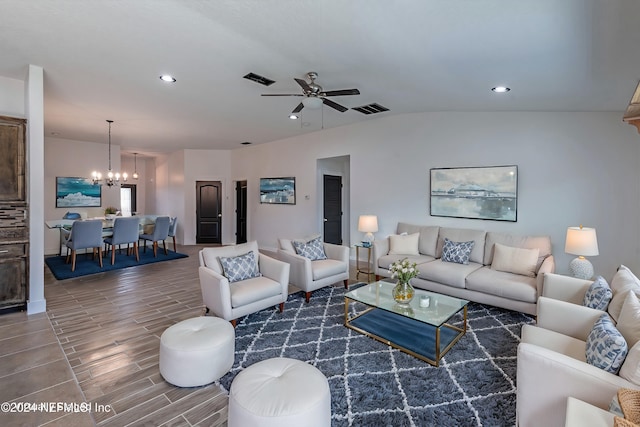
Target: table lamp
pixel 581 241
pixel 368 224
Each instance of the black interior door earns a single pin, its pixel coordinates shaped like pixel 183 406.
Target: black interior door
pixel 208 212
pixel 241 212
pixel 332 206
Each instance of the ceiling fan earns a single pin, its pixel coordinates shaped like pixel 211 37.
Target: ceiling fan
pixel 314 96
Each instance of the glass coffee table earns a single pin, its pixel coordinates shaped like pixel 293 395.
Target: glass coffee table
pixel 421 330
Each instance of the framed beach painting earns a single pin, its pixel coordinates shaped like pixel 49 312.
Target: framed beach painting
pixel 476 192
pixel 278 190
pixel 74 192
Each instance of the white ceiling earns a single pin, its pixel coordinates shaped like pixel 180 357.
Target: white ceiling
pixel 102 59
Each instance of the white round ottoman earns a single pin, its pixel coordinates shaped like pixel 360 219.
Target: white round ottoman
pixel 280 392
pixel 197 351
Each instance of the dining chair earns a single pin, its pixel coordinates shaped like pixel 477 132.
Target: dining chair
pixel 85 235
pixel 172 231
pixel 160 233
pixel 125 230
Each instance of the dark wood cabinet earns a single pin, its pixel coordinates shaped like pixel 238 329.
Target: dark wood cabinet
pixel 14 231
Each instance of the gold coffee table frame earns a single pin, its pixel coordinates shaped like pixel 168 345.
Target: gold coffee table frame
pixel 377 296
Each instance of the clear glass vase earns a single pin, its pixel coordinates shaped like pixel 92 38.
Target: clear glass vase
pixel 403 293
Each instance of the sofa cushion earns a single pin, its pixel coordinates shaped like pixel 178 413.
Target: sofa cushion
pixel 623 281
pixel 606 347
pixel 211 256
pixel 598 295
pixel 239 268
pixel 542 243
pixel 386 260
pixel 630 369
pixel 629 319
pixel 327 267
pixel 507 285
pixel 447 273
pixel 312 249
pixel 515 260
pixel 457 252
pixel 428 236
pixel 463 235
pixel 404 244
pixel 554 341
pixel 252 290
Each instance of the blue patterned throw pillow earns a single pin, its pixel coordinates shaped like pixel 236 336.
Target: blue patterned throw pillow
pixel 598 295
pixel 313 249
pixel 457 252
pixel 239 268
pixel 606 347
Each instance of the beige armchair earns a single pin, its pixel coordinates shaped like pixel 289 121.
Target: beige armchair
pixel 231 301
pixel 311 275
pixel 551 365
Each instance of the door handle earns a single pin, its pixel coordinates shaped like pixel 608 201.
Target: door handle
pixel 325 220
pixel 219 215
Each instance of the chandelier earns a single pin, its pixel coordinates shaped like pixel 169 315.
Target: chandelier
pixel 135 166
pixel 111 178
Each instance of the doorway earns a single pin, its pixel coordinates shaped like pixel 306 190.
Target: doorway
pixel 128 199
pixel 241 212
pixel 208 212
pixel 332 207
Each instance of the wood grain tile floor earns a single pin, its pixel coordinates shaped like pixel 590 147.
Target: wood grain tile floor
pixel 98 344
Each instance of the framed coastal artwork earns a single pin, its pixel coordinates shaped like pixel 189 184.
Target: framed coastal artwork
pixel 278 190
pixel 489 192
pixel 72 192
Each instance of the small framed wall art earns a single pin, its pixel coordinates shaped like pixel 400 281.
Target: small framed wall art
pixel 489 192
pixel 278 190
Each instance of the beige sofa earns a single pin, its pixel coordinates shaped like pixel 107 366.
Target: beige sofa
pixel 476 281
pixel 551 362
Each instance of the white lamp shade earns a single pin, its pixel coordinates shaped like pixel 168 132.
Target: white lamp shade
pixel 312 102
pixel 368 223
pixel 581 241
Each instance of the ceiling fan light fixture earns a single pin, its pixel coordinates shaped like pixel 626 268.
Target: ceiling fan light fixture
pixel 312 102
pixel 293 116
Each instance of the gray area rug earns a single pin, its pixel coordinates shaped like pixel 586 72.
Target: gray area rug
pixel 373 384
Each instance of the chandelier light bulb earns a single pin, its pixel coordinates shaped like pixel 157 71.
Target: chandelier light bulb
pixel 135 175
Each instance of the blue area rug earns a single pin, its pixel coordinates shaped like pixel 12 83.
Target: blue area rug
pixel 373 384
pixel 85 265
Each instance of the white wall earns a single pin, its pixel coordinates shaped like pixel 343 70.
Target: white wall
pixel 207 165
pixel 12 94
pixel 573 168
pixel 128 165
pixel 75 158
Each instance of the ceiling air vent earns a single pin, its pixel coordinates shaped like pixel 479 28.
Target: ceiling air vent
pixel 371 109
pixel 259 79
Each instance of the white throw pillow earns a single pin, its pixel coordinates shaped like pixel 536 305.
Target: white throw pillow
pixel 515 260
pixel 629 320
pixel 406 244
pixel 623 281
pixel 630 369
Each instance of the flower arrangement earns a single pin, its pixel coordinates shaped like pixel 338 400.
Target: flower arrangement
pixel 404 270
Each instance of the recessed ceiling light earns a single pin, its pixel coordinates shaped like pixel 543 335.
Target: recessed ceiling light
pixel 246 143
pixel 293 116
pixel 500 89
pixel 168 78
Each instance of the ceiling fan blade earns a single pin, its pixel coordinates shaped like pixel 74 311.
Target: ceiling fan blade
pixel 281 94
pixel 342 92
pixel 298 108
pixel 335 105
pixel 303 84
